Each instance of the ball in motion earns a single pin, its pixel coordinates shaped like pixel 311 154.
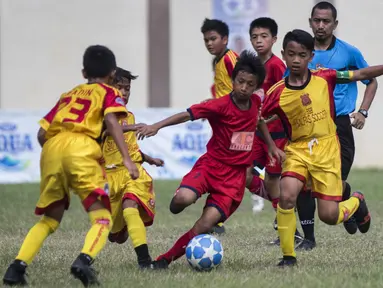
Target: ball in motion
pixel 204 252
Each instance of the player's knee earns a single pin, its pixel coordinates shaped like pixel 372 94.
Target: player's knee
pixel 101 217
pixel 175 207
pixel 129 203
pixel 287 201
pixel 53 224
pixel 183 198
pixel 328 212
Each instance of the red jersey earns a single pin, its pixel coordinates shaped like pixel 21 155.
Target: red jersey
pixel 233 129
pixel 275 68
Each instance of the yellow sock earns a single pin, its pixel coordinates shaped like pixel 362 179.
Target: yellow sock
pixel 347 209
pixel 287 225
pixel 36 237
pixel 136 227
pixel 97 236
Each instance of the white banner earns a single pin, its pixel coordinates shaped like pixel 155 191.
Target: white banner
pixel 179 146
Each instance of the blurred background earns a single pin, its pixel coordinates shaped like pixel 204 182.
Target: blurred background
pixel 42 42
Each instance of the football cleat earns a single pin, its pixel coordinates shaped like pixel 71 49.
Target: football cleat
pixel 15 274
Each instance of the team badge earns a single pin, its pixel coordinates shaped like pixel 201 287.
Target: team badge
pixel 151 203
pixel 120 101
pixel 305 98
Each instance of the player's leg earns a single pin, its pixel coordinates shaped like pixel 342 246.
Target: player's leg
pixel 51 204
pixel 85 177
pixel 347 149
pixel 290 188
pixel 139 210
pixel 306 207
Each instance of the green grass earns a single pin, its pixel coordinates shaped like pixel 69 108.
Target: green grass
pixel 340 260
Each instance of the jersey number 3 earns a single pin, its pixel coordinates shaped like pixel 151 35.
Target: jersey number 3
pixel 80 113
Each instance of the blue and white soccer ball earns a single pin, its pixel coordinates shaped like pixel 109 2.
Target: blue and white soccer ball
pixel 204 252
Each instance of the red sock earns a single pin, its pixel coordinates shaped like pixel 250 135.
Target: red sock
pixel 255 185
pixel 179 247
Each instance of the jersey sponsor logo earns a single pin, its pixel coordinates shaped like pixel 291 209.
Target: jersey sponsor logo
pixel 305 98
pixel 242 141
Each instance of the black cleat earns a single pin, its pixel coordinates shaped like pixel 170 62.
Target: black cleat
pixel 350 225
pixel 362 215
pixel 218 229
pixel 159 264
pixel 145 264
pixel 298 239
pixel 287 261
pixel 15 274
pixel 306 245
pixel 84 272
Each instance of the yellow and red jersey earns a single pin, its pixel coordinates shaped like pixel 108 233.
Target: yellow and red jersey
pixel 224 67
pixel 82 110
pixel 111 155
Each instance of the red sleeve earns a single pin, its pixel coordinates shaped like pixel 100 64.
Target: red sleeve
pixel 278 71
pixel 113 102
pixel 212 90
pixel 270 104
pixel 208 109
pixel 330 75
pixel 228 64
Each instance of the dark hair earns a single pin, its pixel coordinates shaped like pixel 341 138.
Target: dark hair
pixel 215 25
pixel 98 61
pixel 324 5
pixel 248 61
pixel 302 37
pixel 123 74
pixel 265 22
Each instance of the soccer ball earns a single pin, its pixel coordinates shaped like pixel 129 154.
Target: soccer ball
pixel 204 252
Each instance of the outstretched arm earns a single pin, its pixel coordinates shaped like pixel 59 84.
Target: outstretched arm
pixel 151 130
pixel 366 73
pixel 273 152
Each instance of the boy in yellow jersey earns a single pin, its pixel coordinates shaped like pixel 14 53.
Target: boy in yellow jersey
pixel 304 101
pixel 216 36
pixel 132 201
pixel 70 161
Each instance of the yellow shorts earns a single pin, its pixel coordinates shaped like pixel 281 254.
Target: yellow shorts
pixel 69 161
pixel 318 160
pixel 122 187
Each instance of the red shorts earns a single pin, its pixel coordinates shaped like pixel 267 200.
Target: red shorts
pixel 225 184
pixel 261 156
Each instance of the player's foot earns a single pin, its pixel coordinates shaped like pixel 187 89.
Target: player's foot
pixel 306 245
pixel 350 225
pixel 160 264
pixel 362 215
pixel 287 261
pixel 81 269
pixel 297 237
pixel 218 229
pixel 15 274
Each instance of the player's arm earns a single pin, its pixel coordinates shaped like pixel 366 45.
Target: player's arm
pixel 45 122
pixel 41 136
pixel 359 75
pixel 274 152
pixel 152 161
pixel 128 128
pixel 206 109
pixel 372 85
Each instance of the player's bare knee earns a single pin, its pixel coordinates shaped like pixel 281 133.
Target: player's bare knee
pixel 287 201
pixel 55 212
pixel 183 198
pixel 328 211
pixel 129 203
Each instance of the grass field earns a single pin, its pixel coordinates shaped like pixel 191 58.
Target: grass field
pixel 340 260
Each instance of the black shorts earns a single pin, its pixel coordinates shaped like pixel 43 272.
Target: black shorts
pixel 347 144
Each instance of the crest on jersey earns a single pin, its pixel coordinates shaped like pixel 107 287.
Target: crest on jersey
pixel 120 101
pixel 124 123
pixel 305 98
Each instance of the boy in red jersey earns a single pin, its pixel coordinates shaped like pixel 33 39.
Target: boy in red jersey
pixel 221 171
pixel 263 35
pixel 215 35
pixel 304 102
pixel 70 161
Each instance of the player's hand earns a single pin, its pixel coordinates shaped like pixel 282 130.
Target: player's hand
pixel 132 168
pixel 155 161
pixel 276 155
pixel 146 131
pixel 357 120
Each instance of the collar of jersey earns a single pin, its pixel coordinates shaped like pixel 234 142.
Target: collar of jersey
pixel 298 87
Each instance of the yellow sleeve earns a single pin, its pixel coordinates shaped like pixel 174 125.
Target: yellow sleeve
pixel 44 124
